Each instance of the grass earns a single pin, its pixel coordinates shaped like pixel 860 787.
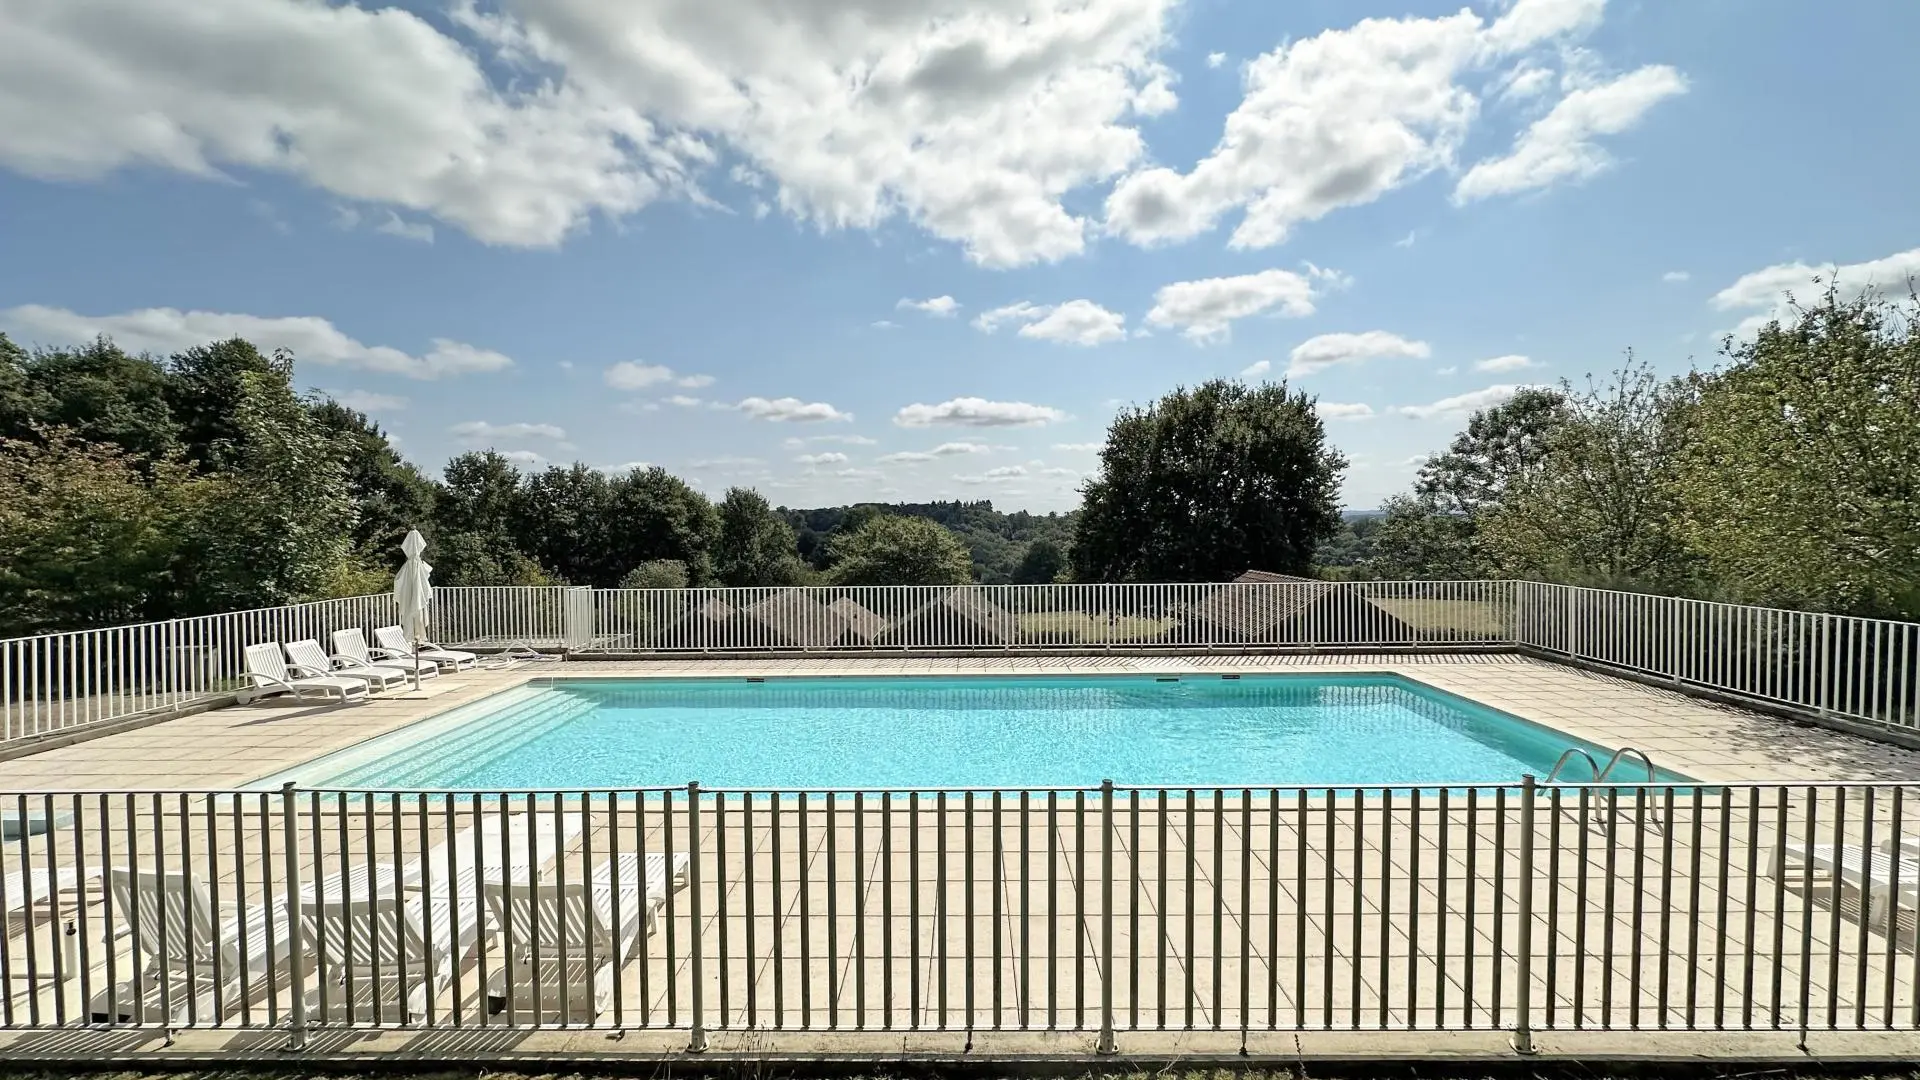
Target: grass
pixel 1093 629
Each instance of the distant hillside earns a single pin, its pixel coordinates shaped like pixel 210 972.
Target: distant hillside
pixel 996 541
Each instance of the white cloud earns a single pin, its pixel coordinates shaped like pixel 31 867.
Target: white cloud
pixel 1215 59
pixel 1450 369
pixel 831 457
pixel 1407 240
pixel 1527 80
pixel 858 474
pixel 1334 410
pixel 727 461
pixel 975 124
pixel 1003 474
pixel 1059 471
pixel 1505 363
pixel 1337 120
pixel 977 412
pixel 405 230
pixel 1560 145
pixel 624 468
pixel 1461 404
pixel 884 324
pixel 313 340
pixel 1764 292
pixel 1330 350
pixel 941 307
pixel 798 441
pixel 524 458
pixel 633 375
pixel 683 401
pixel 1204 310
pixel 1076 322
pixel 790 409
pixel 1080 447
pixel 1256 369
pixel 948 449
pixel 1006 471
pixel 366 401
pixel 1674 277
pixel 480 432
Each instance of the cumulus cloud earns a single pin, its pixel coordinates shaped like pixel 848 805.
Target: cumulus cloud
pixel 1076 322
pixel 1079 447
pixel 405 230
pixel 634 375
pixel 520 122
pixel 313 340
pixel 948 449
pixel 789 409
pixel 977 412
pixel 1560 145
pixel 830 457
pixel 1003 474
pixel 1331 350
pixel 940 306
pixel 526 459
pixel 1505 363
pixel 1675 277
pixel 1256 369
pixel 683 401
pixel 1765 292
pixel 1461 404
pixel 1334 410
pixel 1215 59
pixel 1204 310
pixel 798 441
pixel 367 401
pixel 480 432
pixel 1337 120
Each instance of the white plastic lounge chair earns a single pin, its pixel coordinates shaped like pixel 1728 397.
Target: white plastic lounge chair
pixel 351 645
pixel 267 671
pixel 565 942
pixel 24 891
pixel 392 641
pixel 384 958
pixel 1889 873
pixel 308 658
pixel 193 960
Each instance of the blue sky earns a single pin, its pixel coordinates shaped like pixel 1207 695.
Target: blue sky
pixel 913 249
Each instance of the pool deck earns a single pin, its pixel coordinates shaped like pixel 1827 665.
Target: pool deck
pixel 1306 905
pixel 228 747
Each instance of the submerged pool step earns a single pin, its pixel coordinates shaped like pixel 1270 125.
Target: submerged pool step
pixel 422 764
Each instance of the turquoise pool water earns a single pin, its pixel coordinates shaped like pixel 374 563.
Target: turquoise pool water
pixel 957 733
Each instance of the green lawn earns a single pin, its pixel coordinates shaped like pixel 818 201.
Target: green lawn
pixel 1093 629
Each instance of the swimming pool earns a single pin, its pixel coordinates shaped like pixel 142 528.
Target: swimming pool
pixel 925 732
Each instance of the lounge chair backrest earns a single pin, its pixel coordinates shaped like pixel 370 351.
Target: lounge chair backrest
pixel 393 639
pixel 549 917
pixel 170 914
pixel 358 934
pixel 309 656
pixel 352 644
pixel 265 660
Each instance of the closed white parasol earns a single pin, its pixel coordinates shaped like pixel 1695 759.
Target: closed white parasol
pixel 412 592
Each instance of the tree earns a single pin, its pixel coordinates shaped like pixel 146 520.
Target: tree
pixel 1600 507
pixel 658 574
pixel 1041 565
pixel 1417 539
pixel 1499 446
pixel 474 512
pixel 97 393
pixel 653 514
pixel 88 534
pixel 753 546
pixel 207 388
pixel 390 496
pixel 562 519
pixel 1801 482
pixel 1208 483
pixel 899 551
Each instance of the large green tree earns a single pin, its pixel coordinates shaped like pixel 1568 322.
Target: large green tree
pixel 655 515
pixel 562 520
pixel 1208 483
pixel 97 392
pixel 389 493
pixel 899 551
pixel 1801 482
pixel 753 546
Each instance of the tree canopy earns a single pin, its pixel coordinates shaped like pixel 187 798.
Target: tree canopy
pixel 1208 483
pixel 890 550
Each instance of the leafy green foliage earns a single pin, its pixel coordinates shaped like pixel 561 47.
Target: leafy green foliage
pixel 391 495
pixel 1043 564
pixel 753 545
pixel 658 574
pixel 1208 483
pixel 892 550
pixel 1801 483
pixel 995 542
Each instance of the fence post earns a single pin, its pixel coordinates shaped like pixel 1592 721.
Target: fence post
pixel 296 955
pixel 1523 945
pixel 1826 654
pixel 1106 1044
pixel 697 1038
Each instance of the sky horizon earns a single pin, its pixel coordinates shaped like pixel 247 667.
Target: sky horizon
pixel 915 250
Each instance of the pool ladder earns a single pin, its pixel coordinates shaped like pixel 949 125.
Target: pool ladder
pixel 1604 773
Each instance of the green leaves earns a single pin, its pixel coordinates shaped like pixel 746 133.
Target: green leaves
pixel 899 551
pixel 1208 483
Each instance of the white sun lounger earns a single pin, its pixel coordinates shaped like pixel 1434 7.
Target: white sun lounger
pixel 1888 876
pixel 351 645
pixel 565 943
pixel 194 961
pixel 307 658
pixel 393 641
pixel 268 673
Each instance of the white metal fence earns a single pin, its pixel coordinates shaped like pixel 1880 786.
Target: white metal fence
pixel 1112 910
pixel 1861 670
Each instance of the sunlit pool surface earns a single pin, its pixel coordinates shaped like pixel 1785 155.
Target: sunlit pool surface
pixel 955 733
